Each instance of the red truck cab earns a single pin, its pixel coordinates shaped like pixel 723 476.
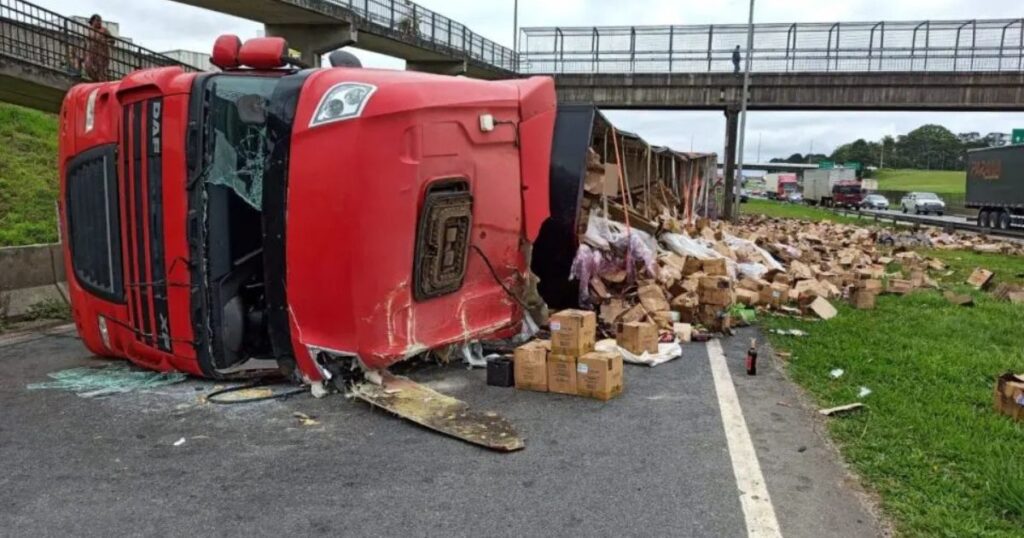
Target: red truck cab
pixel 321 219
pixel 847 193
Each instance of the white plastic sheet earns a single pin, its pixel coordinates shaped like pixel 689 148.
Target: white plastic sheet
pixel 666 352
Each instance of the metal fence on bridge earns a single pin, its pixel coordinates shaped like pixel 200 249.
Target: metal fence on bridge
pixel 36 35
pixel 413 23
pixel 971 45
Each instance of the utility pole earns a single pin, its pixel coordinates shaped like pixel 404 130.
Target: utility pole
pixel 743 110
pixel 759 146
pixel 515 29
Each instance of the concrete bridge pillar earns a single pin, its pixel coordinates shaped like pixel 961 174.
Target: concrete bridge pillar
pixel 732 115
pixel 314 40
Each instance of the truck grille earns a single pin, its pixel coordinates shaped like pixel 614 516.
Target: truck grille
pixel 94 230
pixel 142 211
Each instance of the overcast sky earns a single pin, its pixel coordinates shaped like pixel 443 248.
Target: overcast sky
pixel 165 24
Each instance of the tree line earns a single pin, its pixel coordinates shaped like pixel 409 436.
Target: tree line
pixel 929 147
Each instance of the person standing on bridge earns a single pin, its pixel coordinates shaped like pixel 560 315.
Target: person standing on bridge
pixel 97 50
pixel 736 60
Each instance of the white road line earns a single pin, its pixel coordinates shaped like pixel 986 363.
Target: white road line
pixel 757 506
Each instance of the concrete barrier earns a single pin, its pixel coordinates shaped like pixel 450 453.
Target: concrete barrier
pixel 29 275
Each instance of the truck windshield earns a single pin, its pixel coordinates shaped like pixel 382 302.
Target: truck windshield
pixel 236 134
pixel 234 158
pixel 848 189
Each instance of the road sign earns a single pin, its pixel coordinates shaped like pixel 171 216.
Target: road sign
pixel 826 165
pixel 852 165
pixel 1017 137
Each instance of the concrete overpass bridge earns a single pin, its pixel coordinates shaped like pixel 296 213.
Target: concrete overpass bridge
pixel 426 40
pixel 909 65
pixel 41 53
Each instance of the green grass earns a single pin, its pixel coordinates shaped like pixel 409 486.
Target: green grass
pixel 937 181
pixel 944 463
pixel 793 211
pixel 28 176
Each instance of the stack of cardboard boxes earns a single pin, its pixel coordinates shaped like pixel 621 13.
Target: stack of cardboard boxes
pixel 568 363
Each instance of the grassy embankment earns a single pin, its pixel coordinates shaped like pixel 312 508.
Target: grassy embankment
pixel 937 181
pixel 929 442
pixel 28 176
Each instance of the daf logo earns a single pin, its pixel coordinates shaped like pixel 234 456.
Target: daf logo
pixel 155 127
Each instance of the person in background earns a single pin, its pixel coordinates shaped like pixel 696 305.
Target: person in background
pixel 736 60
pixel 97 50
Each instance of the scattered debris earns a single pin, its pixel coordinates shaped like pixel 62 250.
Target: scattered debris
pixel 823 308
pixel 788 332
pixel 1009 395
pixel 863 392
pixel 439 412
pixel 980 278
pixel 179 442
pixel 306 420
pixel 959 299
pixel 110 379
pixel 842 409
pixel 836 373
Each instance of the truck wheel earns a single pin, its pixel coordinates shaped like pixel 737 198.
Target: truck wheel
pixel 993 219
pixel 1004 221
pixel 983 218
pixel 904 208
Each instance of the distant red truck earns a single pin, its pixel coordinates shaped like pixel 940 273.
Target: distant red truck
pixel 847 193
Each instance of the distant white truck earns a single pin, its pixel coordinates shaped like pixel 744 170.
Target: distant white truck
pixel 819 183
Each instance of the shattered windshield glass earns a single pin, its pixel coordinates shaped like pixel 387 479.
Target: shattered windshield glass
pixel 237 131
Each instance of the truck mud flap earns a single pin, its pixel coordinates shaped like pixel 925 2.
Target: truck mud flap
pixel 439 412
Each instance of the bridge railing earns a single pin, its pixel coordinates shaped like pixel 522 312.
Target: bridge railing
pixel 971 45
pixel 33 34
pixel 413 23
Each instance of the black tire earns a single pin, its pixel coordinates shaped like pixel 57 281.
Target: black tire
pixel 993 219
pixel 939 213
pixel 904 208
pixel 1004 220
pixel 983 218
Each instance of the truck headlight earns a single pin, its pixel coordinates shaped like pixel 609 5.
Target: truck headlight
pixel 342 102
pixel 90 110
pixel 104 333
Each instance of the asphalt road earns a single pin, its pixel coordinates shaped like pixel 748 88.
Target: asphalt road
pixel 653 462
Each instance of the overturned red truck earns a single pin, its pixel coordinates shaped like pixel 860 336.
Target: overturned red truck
pixel 318 218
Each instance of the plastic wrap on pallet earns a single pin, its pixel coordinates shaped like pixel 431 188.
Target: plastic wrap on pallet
pixel 738 242
pixel 585 265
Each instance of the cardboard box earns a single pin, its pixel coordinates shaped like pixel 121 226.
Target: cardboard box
pixel 599 375
pixel 573 332
pixel 638 337
pixel 611 180
pixel 980 278
pixel 747 297
pixel 683 331
pixel 716 290
pixel 714 266
pixel 692 265
pixel 562 374
pixel 1009 395
pixel 530 366
pixel 900 286
pixel 775 295
pixel 863 299
pixel 652 297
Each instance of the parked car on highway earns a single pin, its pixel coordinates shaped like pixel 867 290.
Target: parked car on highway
pixel 923 203
pixel 795 197
pixel 874 201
